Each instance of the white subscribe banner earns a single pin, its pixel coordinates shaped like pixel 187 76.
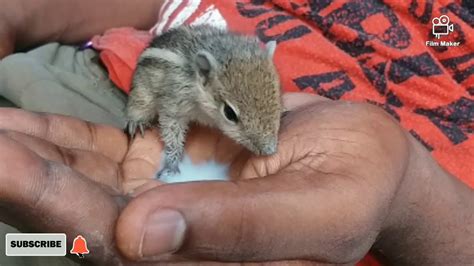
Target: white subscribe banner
pixel 35 245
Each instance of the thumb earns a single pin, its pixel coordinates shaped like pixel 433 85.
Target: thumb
pixel 272 218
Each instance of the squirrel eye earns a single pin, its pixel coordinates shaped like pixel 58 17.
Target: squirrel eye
pixel 230 113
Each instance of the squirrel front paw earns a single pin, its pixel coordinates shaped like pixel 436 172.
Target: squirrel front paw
pixel 132 126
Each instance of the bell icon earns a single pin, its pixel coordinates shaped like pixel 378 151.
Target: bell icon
pixel 79 246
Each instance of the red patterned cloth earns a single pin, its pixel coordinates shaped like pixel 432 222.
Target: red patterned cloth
pixel 366 51
pixel 119 50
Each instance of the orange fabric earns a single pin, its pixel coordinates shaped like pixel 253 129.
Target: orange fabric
pixel 365 50
pixel 120 49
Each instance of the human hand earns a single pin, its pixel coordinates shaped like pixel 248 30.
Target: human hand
pixel 238 220
pixel 28 23
pixel 346 179
pixel 324 197
pixel 60 174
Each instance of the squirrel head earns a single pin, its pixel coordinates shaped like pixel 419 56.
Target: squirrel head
pixel 241 94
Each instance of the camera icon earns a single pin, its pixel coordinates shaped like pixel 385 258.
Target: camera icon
pixel 441 26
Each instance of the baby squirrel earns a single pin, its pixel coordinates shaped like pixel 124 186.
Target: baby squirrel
pixel 210 76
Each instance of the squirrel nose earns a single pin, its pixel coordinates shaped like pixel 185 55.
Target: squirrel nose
pixel 269 147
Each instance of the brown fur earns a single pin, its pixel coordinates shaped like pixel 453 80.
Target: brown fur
pixel 190 73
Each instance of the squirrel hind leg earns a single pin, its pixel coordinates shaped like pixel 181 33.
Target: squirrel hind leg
pixel 167 173
pixel 173 134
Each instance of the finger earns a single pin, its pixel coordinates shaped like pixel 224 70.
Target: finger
pixel 142 187
pixel 272 218
pixel 44 196
pixel 95 166
pixel 67 132
pixel 137 169
pixel 201 144
pixel 205 144
pixel 142 161
pixel 295 100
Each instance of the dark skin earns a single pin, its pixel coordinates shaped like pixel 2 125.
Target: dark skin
pixel 346 178
pixel 27 23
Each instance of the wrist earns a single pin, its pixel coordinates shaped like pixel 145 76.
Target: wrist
pixel 431 221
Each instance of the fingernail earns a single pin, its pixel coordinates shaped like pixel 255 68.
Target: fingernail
pixel 164 233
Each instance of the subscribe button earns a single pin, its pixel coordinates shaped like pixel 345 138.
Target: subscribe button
pixel 35 245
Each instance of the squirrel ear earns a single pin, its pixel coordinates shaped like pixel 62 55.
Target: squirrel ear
pixel 206 63
pixel 271 47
